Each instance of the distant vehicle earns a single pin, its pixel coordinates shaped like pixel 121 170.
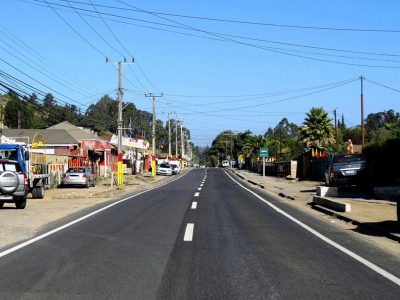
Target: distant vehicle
pixel 202 166
pixel 79 176
pixel 176 163
pixel 175 169
pixel 346 169
pixel 164 169
pixel 225 163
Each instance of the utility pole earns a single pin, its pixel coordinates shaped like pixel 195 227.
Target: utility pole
pixel 182 144
pixel 334 112
pixel 120 178
pixel 362 113
pixel 153 133
pixel 176 138
pixel 169 137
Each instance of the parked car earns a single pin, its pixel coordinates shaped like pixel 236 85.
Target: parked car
pixel 164 169
pixel 175 169
pixel 202 166
pixel 346 169
pixel 13 184
pixel 398 206
pixel 79 176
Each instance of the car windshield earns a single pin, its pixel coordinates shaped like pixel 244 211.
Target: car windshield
pixel 76 170
pixel 164 166
pixel 348 158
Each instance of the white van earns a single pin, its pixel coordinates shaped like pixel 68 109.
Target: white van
pixel 176 163
pixel 225 163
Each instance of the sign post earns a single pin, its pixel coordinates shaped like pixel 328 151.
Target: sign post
pixel 264 155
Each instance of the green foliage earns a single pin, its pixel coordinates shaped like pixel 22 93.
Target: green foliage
pixel 14 105
pixel 383 161
pixel 317 129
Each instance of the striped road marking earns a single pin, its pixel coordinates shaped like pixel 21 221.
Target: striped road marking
pixel 189 232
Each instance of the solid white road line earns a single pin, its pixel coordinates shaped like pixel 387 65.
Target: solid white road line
pixel 189 232
pixel 367 263
pixel 199 189
pixel 31 241
pixel 197 194
pixel 194 205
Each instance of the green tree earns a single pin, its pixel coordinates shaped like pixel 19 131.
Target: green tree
pixel 14 105
pixel 317 128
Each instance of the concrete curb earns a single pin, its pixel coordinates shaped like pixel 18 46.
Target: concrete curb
pixel 384 232
pixel 336 205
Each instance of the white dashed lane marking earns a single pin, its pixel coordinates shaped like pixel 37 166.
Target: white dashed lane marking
pixel 194 205
pixel 189 232
pixel 199 189
pixel 197 194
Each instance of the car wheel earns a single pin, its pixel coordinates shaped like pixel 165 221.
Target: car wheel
pixel 34 193
pixel 94 183
pixel 20 203
pixel 40 192
pixel 87 184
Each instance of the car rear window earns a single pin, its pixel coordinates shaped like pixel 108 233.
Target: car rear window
pixel 76 170
pixel 9 166
pixel 344 158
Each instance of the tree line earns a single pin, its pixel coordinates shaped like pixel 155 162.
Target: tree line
pixel 42 113
pixel 287 141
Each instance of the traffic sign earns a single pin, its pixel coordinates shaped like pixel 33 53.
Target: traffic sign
pixel 240 156
pixel 233 162
pixel 228 158
pixel 264 152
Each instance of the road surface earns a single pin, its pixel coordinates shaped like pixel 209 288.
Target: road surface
pixel 204 235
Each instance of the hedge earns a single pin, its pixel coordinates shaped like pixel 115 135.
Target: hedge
pixel 383 162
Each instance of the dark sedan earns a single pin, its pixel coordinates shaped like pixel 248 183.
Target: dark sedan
pixel 346 169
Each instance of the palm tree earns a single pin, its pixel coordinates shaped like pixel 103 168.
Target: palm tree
pixel 318 129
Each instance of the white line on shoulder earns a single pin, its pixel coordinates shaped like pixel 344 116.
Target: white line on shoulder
pixel 367 263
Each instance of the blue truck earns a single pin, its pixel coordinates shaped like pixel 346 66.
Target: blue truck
pixel 18 177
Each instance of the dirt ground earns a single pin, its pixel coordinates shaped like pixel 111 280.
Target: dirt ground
pixel 19 225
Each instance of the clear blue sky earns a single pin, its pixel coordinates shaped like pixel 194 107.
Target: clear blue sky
pixel 181 65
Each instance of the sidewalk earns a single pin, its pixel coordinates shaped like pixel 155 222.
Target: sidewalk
pixel 378 215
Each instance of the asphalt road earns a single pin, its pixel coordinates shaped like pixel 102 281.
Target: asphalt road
pixel 229 245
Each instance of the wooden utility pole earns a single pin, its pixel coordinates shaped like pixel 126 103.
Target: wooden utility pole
pixel 120 178
pixel 153 133
pixel 334 112
pixel 169 137
pixel 362 113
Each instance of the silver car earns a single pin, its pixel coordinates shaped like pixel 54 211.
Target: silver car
pixel 13 184
pixel 164 169
pixel 79 176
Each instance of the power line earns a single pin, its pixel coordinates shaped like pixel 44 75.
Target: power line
pixel 56 76
pixel 44 60
pixel 222 38
pixel 259 47
pixel 249 22
pixel 385 86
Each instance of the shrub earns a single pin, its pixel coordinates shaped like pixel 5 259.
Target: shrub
pixel 383 161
